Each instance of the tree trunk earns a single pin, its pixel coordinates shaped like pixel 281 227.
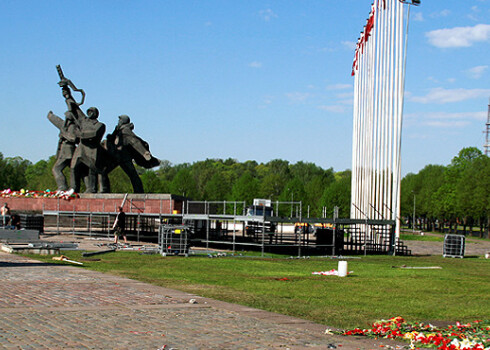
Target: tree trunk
pixel 488 227
pixel 482 225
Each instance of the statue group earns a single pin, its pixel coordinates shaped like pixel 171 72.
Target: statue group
pixel 90 158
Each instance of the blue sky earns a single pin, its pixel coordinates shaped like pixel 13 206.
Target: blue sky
pixel 250 80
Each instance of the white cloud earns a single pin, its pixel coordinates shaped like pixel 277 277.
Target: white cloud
pixel 339 87
pixel 333 108
pixel 434 80
pixel 446 124
pixel 255 64
pixel 348 94
pixel 475 12
pixel 459 36
pixel 266 102
pixel 455 116
pixel 327 49
pixel 441 95
pixel 347 101
pixel 267 14
pixel 418 17
pixel 477 72
pixel 350 45
pixel 442 13
pixel 298 96
pixel 445 119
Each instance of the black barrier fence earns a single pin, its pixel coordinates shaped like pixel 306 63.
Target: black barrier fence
pixel 236 232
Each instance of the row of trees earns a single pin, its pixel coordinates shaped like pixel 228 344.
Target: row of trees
pixel 453 195
pixel 456 193
pixel 211 180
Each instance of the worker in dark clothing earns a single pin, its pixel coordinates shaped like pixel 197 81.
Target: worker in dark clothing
pixel 15 221
pixel 119 226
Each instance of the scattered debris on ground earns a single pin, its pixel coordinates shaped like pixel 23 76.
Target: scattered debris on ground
pixel 64 258
pixel 418 267
pixel 332 272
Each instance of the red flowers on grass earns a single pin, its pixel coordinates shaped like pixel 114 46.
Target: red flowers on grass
pixel 469 336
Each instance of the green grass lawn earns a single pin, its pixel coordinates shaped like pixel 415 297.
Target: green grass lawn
pixel 411 237
pixel 378 287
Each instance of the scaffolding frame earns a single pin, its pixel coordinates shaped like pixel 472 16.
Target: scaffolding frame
pixel 221 224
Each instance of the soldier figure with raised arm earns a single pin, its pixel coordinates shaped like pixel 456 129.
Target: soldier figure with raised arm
pixel 88 155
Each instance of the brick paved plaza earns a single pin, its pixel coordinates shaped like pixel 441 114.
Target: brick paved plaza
pixel 47 306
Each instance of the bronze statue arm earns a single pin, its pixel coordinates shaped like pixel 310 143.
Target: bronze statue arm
pixel 69 133
pixel 140 148
pixel 55 120
pixel 67 82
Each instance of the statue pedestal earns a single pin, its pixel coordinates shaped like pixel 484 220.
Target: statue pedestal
pixel 150 203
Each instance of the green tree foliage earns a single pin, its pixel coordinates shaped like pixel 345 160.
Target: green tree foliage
pixel 458 192
pixel 13 172
pixel 184 184
pixel 152 183
pixel 271 186
pixel 446 196
pixel 473 192
pixel 409 191
pixel 246 188
pixel 338 194
pixel 218 188
pixel 315 188
pixel 39 176
pixel 293 191
pixel 120 182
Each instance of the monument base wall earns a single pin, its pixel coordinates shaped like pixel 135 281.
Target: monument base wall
pixel 99 202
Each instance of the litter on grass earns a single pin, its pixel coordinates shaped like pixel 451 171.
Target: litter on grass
pixel 64 258
pixel 418 267
pixel 332 272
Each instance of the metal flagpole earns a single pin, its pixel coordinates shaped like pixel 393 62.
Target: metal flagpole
pixel 379 68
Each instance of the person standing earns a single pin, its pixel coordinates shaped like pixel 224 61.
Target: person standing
pixel 120 226
pixel 5 211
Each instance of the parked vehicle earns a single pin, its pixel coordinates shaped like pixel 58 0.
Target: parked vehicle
pixel 306 228
pixel 256 214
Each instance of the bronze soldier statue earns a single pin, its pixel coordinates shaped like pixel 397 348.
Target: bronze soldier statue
pixel 123 145
pixel 90 159
pixel 88 155
pixel 85 160
pixel 66 146
pixel 68 131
